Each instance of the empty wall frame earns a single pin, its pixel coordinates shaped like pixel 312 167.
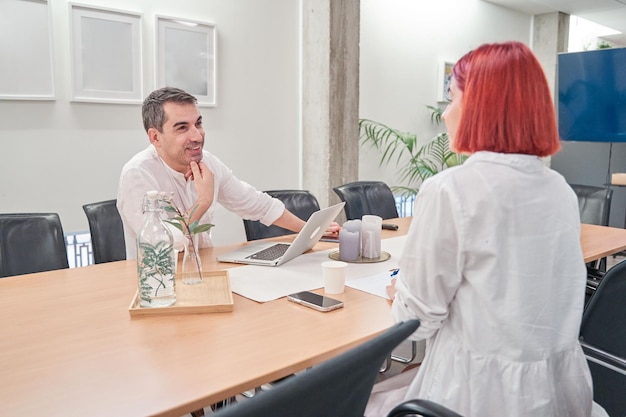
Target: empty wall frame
pixel 26 67
pixel 105 52
pixel 106 55
pixel 186 57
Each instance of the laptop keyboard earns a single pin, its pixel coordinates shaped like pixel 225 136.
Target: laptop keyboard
pixel 271 253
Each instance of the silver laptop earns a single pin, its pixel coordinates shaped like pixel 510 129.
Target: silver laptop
pixel 277 253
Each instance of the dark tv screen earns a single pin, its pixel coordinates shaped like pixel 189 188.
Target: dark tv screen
pixel 592 95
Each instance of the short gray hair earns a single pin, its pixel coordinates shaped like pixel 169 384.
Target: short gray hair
pixel 152 109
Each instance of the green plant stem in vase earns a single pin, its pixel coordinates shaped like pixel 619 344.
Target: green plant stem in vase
pixel 191 267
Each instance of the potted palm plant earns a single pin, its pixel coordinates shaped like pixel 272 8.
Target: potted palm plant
pixel 415 162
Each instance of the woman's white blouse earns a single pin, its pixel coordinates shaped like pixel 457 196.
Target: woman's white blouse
pixel 493 268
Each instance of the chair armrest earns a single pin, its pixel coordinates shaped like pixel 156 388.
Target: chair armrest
pixel 423 408
pixel 603 358
pixel 595 273
pixel 594 276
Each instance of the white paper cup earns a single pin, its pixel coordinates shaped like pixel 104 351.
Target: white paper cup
pixel 334 273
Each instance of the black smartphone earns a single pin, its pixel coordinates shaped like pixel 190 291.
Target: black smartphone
pixel 315 301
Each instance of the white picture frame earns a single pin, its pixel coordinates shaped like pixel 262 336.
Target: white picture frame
pixel 106 55
pixel 444 77
pixel 186 57
pixel 27 70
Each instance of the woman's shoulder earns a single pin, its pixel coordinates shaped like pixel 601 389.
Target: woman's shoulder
pixel 447 176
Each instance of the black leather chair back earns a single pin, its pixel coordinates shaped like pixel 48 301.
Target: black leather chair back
pixel 300 202
pixel 367 197
pixel 107 231
pixel 31 242
pixel 423 408
pixel 339 387
pixel 594 203
pixel 603 336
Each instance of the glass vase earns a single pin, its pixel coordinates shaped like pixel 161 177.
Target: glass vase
pixel 192 266
pixel 155 257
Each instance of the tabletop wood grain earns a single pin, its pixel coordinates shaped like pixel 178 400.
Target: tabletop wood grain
pixel 70 347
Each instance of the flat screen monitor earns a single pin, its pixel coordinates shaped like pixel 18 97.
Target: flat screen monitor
pixel 592 95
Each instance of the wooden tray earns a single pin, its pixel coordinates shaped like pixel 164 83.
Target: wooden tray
pixel 212 295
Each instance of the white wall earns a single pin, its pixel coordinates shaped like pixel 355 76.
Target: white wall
pixel 58 155
pixel 402 42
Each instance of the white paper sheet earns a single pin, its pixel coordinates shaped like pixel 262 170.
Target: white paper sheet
pixel 374 284
pixel 264 283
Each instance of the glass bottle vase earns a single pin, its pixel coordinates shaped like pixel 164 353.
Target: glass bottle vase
pixel 155 257
pixel 192 265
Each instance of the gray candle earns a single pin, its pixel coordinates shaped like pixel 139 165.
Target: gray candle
pixel 350 240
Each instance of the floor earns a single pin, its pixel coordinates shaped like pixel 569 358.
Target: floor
pixel 612 260
pixel 404 349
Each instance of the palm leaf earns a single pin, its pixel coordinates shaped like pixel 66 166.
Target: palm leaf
pixel 390 141
pixel 416 164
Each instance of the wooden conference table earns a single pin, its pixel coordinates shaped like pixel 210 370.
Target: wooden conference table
pixel 69 347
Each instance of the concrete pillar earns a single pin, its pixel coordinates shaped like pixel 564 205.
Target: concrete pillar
pixel 330 95
pixel 550 36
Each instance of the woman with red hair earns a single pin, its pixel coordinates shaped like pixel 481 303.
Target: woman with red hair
pixel 492 265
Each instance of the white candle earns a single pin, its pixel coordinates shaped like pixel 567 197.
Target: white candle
pixel 370 236
pixel 367 244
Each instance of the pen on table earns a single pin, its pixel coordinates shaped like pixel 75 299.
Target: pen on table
pixel 394 272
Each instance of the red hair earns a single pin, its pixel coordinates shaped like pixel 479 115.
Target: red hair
pixel 507 106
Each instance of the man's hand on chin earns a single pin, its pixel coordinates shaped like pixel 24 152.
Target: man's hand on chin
pixel 189 173
pixel 203 179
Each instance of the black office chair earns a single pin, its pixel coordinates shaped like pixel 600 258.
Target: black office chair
pixel 367 197
pixel 107 231
pixel 300 202
pixel 422 408
pixel 603 338
pixel 31 242
pixel 594 204
pixel 339 387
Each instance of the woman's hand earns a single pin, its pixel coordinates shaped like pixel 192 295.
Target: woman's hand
pixel 391 289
